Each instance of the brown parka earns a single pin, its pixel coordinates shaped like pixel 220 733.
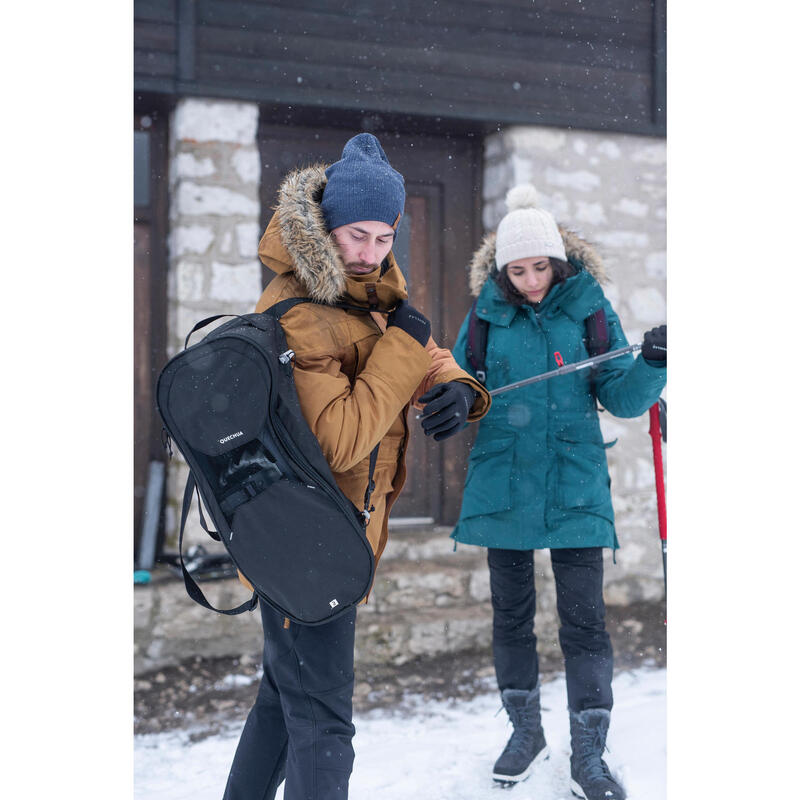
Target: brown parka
pixel 355 378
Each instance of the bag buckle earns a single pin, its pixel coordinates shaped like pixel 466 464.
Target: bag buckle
pixel 286 357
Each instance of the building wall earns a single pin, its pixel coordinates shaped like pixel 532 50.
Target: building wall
pixel 611 189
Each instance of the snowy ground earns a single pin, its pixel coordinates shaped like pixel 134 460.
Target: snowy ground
pixel 438 751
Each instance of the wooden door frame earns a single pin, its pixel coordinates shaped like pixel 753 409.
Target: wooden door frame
pixel 156 216
pixel 452 244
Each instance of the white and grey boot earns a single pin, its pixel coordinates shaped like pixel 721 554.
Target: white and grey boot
pixel 590 775
pixel 527 745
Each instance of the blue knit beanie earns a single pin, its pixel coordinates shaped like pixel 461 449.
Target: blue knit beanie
pixel 362 185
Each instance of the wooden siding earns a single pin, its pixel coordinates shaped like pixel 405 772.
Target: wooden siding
pixel 597 64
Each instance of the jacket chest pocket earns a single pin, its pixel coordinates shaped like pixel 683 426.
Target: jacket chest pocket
pixel 488 486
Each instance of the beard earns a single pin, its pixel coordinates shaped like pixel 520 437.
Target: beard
pixel 358 267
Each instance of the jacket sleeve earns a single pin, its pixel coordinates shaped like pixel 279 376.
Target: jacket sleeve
pixel 625 386
pixel 443 369
pixel 350 420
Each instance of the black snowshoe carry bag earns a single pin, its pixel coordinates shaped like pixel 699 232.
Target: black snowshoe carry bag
pixel 229 403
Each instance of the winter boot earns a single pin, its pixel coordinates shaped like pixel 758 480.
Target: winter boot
pixel 526 746
pixel 590 775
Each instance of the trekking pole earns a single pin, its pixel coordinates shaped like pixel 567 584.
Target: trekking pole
pixel 585 364
pixel 655 435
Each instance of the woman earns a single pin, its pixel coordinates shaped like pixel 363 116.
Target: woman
pixel 538 476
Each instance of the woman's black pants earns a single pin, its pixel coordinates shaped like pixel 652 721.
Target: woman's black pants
pixel 300 727
pixel 588 658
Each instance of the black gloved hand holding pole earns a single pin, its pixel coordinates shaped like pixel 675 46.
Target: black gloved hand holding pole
pixel 413 322
pixel 654 346
pixel 446 409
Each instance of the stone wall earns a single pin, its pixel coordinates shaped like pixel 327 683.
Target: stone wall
pixel 214 219
pixel 611 189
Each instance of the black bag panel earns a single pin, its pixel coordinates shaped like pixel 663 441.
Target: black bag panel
pixel 220 394
pixel 300 552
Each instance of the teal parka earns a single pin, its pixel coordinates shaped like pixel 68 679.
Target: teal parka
pixel 538 475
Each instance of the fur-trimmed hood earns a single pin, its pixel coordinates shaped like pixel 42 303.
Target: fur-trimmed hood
pixel 578 250
pixel 297 240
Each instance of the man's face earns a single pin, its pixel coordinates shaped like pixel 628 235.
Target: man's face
pixel 363 245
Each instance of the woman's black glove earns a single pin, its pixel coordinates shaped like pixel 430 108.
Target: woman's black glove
pixel 413 322
pixel 654 346
pixel 446 409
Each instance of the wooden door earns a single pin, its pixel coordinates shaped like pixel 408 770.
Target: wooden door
pixel 149 299
pixel 436 237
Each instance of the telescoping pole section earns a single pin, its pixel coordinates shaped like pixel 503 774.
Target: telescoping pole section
pixel 586 364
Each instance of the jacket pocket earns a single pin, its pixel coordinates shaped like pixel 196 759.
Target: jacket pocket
pixel 583 481
pixel 488 486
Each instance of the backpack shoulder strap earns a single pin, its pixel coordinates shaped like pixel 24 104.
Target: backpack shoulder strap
pixel 282 306
pixel 597 339
pixel 278 310
pixel 477 334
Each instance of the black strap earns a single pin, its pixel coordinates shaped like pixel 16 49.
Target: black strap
pixel 597 338
pixel 373 460
pixel 192 588
pixel 278 310
pixel 202 324
pixel 203 524
pixel 254 485
pixel 477 334
pixel 282 306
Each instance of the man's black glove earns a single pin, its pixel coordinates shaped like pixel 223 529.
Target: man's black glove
pixel 446 408
pixel 654 346
pixel 410 320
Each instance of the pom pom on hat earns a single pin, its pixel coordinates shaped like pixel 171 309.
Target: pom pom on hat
pixel 522 196
pixel 527 231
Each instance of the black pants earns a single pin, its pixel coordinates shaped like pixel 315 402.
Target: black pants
pixel 588 658
pixel 301 724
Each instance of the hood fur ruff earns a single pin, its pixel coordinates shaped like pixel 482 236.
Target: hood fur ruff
pixel 317 264
pixel 483 262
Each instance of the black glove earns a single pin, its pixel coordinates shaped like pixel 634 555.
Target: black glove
pixel 654 346
pixel 446 408
pixel 408 319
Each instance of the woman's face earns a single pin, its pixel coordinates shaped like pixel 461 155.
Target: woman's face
pixel 531 277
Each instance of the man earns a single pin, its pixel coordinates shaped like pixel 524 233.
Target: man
pixel 356 371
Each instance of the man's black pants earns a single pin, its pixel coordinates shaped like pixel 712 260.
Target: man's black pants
pixel 301 724
pixel 588 658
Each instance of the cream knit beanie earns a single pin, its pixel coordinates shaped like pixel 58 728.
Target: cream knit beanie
pixel 527 231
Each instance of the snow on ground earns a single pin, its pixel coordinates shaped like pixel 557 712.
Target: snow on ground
pixel 438 751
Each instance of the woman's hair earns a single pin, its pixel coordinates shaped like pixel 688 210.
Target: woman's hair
pixel 561 271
